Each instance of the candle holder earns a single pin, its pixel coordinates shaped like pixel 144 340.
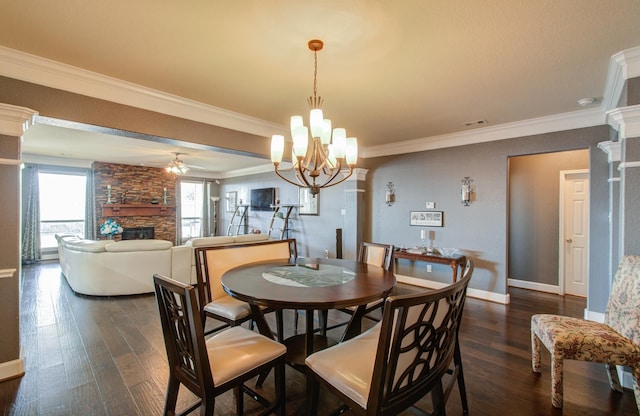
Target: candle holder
pixel 109 194
pixel 164 197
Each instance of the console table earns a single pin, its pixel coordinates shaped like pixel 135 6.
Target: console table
pixel 454 261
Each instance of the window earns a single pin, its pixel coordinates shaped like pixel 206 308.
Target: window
pixel 191 209
pixel 62 204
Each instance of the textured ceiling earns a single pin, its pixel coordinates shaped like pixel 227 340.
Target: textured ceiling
pixel 391 71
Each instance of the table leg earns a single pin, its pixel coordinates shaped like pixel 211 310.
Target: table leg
pixel 354 327
pixel 454 267
pixel 258 317
pixel 308 333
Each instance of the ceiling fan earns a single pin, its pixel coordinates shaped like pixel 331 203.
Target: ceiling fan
pixel 177 166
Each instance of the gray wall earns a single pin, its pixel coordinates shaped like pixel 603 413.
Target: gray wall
pixel 314 234
pixel 481 229
pixel 534 221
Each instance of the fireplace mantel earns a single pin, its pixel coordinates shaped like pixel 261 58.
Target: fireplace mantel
pixel 136 210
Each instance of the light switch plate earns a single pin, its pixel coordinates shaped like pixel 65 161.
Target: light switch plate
pixel 431 205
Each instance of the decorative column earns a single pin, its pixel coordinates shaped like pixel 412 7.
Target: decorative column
pixel 13 123
pixel 626 121
pixel 353 228
pixel 612 149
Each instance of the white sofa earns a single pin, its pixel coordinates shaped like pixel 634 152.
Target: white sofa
pixel 110 268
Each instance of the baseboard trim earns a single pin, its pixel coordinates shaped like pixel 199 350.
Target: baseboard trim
pixel 540 287
pixel 472 293
pixel 11 369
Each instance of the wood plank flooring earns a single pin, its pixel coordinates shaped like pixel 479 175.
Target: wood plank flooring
pixel 105 356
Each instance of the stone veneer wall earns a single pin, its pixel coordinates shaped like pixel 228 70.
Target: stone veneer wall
pixel 140 184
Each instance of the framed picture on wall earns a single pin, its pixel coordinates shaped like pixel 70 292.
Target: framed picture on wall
pixel 308 203
pixel 426 218
pixel 231 201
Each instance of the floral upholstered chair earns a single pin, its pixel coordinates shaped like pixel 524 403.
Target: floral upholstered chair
pixel 615 342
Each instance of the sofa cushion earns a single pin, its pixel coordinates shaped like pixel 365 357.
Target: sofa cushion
pixel 89 246
pixel 137 245
pixel 210 241
pixel 250 238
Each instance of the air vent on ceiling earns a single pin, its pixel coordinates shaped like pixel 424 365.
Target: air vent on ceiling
pixel 476 123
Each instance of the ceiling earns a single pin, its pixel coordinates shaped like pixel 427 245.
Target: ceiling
pixel 390 71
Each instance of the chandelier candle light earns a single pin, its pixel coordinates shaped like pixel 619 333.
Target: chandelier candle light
pixel 316 164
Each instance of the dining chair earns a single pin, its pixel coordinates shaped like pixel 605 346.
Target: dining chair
pixel 218 364
pixel 374 254
pixel 393 365
pixel 614 342
pixel 212 262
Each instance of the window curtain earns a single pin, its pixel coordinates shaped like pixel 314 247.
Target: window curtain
pixel 90 232
pixel 31 252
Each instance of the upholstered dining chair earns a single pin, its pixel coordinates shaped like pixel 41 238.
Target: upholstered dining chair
pixel 402 358
pixel 218 364
pixel 374 254
pixel 212 262
pixel 614 342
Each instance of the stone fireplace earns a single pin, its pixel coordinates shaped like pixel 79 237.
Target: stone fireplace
pixel 137 199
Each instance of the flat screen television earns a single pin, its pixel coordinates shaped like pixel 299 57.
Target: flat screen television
pixel 262 199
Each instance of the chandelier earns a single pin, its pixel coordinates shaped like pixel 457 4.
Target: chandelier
pixel 177 166
pixel 317 160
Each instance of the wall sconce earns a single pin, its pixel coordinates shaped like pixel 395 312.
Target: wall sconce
pixel 466 191
pixel 390 194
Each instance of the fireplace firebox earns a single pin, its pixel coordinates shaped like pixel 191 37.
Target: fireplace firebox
pixel 138 233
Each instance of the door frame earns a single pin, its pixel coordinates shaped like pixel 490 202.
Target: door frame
pixel 561 223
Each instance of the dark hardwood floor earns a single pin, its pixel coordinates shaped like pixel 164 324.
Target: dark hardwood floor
pixel 105 356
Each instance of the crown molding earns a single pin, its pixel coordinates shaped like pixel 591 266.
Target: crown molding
pixel 267 168
pixel 625 120
pixel 558 122
pixel 15 120
pixel 623 65
pixel 612 149
pixel 30 68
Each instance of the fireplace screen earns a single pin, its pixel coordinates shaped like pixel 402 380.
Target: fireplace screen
pixel 138 233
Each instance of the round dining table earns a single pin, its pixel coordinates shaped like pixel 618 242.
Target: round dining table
pixel 308 284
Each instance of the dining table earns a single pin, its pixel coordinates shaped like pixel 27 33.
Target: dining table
pixel 309 284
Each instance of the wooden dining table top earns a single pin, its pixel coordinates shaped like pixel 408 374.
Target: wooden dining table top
pixel 264 283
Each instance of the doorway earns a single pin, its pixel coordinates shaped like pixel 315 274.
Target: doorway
pixel 534 218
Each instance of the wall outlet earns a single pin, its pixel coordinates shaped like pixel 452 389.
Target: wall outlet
pixel 428 268
pixel 431 205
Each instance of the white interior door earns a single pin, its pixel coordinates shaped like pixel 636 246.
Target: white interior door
pixel 574 232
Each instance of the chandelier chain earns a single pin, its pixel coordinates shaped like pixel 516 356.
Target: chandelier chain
pixel 315 75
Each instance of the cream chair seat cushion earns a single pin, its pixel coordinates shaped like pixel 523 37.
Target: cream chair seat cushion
pixel 248 349
pixel 356 357
pixel 228 307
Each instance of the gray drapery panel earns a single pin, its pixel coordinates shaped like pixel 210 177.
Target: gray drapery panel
pixel 31 252
pixel 90 208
